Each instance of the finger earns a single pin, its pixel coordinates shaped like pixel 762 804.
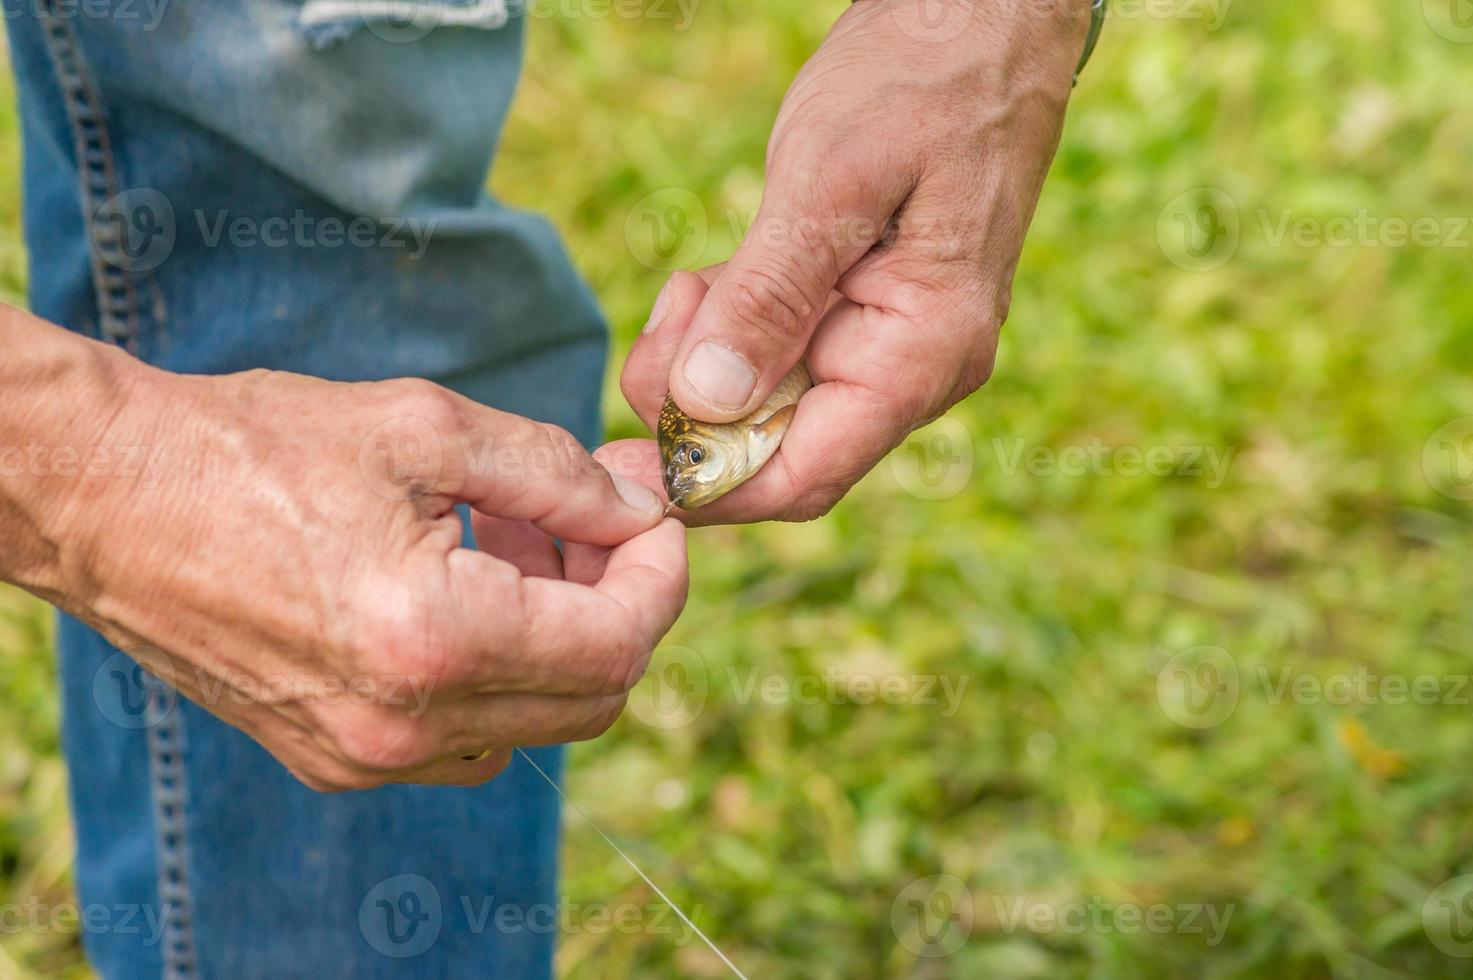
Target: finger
pixel 646 374
pixel 840 431
pixel 521 470
pixel 635 459
pixel 539 635
pixel 467 733
pixel 817 218
pixel 531 549
pixel 460 772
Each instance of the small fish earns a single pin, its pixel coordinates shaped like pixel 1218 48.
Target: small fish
pixel 703 461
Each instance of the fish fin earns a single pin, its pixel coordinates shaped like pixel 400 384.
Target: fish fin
pixel 775 425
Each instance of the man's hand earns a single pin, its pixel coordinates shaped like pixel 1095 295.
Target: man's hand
pixel 293 564
pixel 902 174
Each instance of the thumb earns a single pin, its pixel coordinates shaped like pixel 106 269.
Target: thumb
pixel 755 322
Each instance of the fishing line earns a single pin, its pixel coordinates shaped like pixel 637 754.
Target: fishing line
pixel 637 870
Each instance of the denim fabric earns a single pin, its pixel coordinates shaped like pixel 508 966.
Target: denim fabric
pixel 192 169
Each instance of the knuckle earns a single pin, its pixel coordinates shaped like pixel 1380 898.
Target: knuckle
pixel 624 658
pixel 376 742
pixel 563 451
pixel 771 301
pixel 403 638
pixel 601 718
pixel 427 400
pixel 315 782
pixel 812 505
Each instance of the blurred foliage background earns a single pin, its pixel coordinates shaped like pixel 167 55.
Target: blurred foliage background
pixel 1135 655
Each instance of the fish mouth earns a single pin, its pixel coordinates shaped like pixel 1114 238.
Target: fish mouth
pixel 686 493
pixel 677 488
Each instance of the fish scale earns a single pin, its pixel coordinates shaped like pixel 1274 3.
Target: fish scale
pixel 703 461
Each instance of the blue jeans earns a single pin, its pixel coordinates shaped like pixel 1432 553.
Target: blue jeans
pixel 218 185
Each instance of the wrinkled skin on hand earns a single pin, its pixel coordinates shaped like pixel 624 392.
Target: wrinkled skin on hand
pixel 298 571
pixel 902 173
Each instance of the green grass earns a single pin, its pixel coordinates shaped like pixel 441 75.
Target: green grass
pixel 1058 599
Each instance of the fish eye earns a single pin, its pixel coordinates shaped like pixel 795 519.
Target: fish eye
pixel 695 455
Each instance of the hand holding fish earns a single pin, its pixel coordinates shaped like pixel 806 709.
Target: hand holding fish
pixel 903 171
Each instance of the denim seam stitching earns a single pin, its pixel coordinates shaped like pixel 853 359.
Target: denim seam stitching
pixel 116 293
pixel 166 747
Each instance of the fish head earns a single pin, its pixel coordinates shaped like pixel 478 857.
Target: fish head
pixel 699 461
pixel 703 461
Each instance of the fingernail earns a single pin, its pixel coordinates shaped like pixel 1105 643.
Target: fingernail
pixel 720 375
pixel 660 310
pixel 638 496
